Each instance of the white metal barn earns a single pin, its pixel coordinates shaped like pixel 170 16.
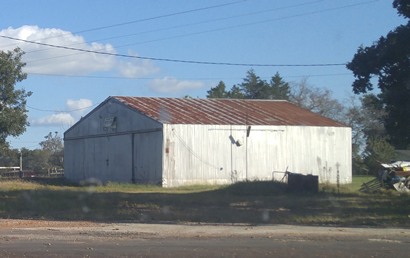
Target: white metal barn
pixel 175 142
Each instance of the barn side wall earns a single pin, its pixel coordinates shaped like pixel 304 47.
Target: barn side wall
pixel 212 154
pixel 114 143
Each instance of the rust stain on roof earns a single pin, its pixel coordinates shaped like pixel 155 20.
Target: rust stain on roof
pixel 225 111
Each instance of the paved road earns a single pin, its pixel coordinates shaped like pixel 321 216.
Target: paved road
pixel 145 240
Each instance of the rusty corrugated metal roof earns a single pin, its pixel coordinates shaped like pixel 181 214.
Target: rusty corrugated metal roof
pixel 225 111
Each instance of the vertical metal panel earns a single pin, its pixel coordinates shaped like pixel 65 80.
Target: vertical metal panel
pixel 104 159
pixel 148 157
pixel 94 151
pixel 222 154
pixel 71 162
pixel 198 154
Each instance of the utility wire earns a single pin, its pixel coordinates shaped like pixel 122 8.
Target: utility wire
pixel 60 111
pixel 148 19
pixel 161 16
pixel 175 27
pixel 248 24
pixel 196 78
pixel 242 25
pixel 173 60
pixel 207 31
pixel 178 26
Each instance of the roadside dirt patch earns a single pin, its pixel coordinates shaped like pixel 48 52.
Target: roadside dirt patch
pixel 40 238
pixel 64 229
pixel 25 223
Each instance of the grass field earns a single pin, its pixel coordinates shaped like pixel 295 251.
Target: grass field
pixel 246 202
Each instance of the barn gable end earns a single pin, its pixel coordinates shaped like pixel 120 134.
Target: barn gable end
pixel 105 144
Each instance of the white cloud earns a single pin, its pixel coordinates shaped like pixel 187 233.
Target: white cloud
pixel 169 85
pixel 59 119
pixel 75 109
pixel 79 107
pixel 49 60
pixel 136 69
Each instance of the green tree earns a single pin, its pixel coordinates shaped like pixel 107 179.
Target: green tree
pixel 36 160
pixel 253 87
pixel 378 150
pixel 235 93
pixel 365 117
pixel 278 88
pixel 372 117
pixel 388 59
pixel 53 146
pixel 52 143
pixel 219 91
pixel 9 157
pixel 13 112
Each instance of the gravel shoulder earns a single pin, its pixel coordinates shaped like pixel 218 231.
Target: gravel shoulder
pixel 25 229
pixel 31 238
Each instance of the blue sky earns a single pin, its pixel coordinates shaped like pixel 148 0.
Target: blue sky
pixel 66 83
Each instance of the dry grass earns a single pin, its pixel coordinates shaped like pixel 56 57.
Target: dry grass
pixel 246 202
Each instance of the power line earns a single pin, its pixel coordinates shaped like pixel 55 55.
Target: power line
pixel 161 16
pixel 249 24
pixel 179 26
pixel 61 111
pixel 207 31
pixel 174 60
pixel 192 78
pixel 149 19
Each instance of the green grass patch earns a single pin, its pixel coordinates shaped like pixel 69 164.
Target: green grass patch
pixel 245 202
pixel 357 181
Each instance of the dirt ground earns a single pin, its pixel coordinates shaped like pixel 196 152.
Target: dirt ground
pixel 32 238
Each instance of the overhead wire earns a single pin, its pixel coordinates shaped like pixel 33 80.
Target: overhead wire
pixel 173 60
pixel 202 32
pixel 148 19
pixel 60 111
pixel 169 28
pixel 162 16
pixel 179 26
pixel 190 78
pixel 247 24
pixel 198 62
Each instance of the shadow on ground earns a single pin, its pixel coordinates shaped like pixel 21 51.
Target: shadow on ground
pixel 249 203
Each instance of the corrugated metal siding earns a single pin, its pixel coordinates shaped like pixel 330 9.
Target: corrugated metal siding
pixel 225 112
pixel 198 154
pixel 132 146
pixel 104 159
pixel 148 158
pixel 193 141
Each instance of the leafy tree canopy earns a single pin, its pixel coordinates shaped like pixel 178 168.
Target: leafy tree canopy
pixel 253 87
pixel 52 151
pixel 13 113
pixel 388 59
pixel 279 89
pixel 219 91
pixel 52 143
pixel 403 7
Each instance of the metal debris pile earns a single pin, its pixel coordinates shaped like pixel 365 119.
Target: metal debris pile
pixel 396 175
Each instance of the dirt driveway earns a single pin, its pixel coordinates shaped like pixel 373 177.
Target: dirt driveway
pixel 29 238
